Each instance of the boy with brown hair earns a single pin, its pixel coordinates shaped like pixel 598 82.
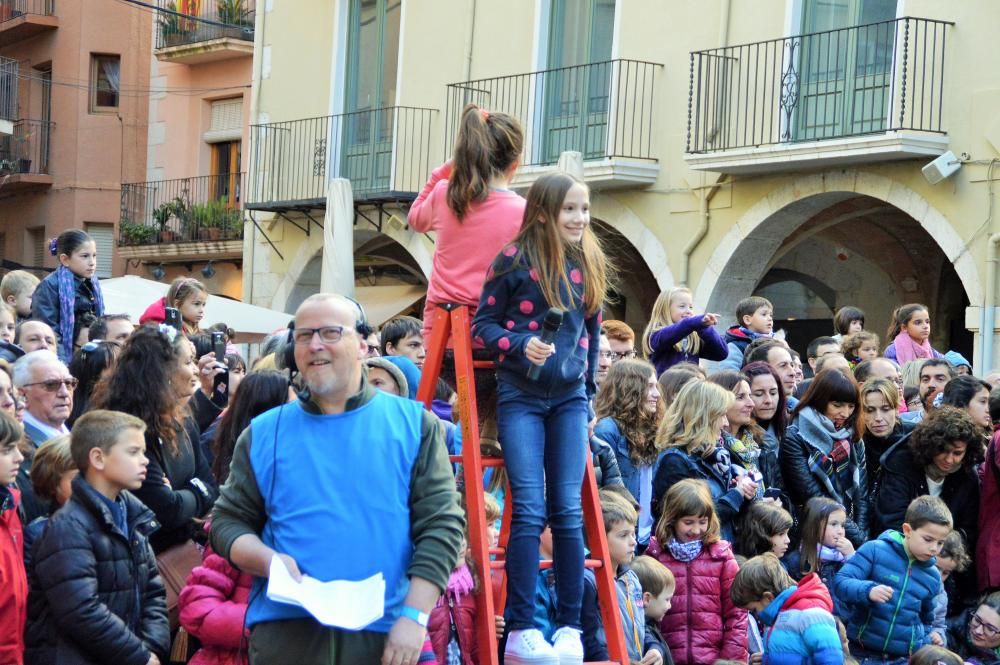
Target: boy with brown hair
pixel 52 472
pixel 754 319
pixel 96 594
pixel 658 586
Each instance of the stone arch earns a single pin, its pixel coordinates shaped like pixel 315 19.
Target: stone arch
pixel 741 258
pixel 613 213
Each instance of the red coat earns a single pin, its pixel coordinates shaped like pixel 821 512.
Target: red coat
pixel 13 581
pixel 703 624
pixel 460 603
pixel 155 313
pixel 988 545
pixel 213 605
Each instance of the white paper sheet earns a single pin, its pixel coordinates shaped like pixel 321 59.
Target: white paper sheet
pixel 337 603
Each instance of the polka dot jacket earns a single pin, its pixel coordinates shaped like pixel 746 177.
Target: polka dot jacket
pixel 511 311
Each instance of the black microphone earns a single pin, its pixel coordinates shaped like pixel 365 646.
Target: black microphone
pixel 550 326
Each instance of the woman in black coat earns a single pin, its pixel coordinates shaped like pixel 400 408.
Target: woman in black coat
pixel 882 427
pixel 154 380
pixel 940 459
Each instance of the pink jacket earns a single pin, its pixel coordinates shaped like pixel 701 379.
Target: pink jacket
pixel 988 546
pixel 703 624
pixel 212 605
pixel 463 250
pixel 457 605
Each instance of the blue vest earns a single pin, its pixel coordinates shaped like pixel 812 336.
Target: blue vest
pixel 336 489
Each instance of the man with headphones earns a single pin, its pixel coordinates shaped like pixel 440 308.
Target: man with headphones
pixel 343 483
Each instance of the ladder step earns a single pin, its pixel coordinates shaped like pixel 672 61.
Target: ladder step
pixel 486 461
pixel 545 564
pixel 483 364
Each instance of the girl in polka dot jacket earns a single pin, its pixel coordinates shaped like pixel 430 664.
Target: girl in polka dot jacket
pixel 554 261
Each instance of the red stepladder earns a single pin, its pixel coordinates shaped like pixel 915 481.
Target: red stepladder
pixel 453 323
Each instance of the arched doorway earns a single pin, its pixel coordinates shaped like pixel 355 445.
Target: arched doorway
pixel 635 289
pixel 874 244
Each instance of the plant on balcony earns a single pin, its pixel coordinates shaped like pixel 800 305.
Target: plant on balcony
pixel 173 28
pixel 136 234
pixel 234 13
pixel 177 208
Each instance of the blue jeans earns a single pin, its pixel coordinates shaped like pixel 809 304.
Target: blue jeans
pixel 544 443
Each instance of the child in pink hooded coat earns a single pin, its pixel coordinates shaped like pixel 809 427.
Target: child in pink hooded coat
pixel 213 605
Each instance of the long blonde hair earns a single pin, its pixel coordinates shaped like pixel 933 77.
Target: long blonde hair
pixel 660 317
pixel 543 249
pixel 688 422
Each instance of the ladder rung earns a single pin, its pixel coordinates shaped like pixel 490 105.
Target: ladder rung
pixel 545 564
pixel 484 462
pixel 483 364
pixel 498 550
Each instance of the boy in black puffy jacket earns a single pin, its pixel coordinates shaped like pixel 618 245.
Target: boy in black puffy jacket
pixel 96 595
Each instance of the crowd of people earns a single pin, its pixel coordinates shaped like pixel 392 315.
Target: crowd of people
pixel 151 481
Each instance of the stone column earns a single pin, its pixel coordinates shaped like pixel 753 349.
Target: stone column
pixel 338 239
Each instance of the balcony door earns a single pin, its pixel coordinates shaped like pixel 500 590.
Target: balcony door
pixel 365 132
pixel 578 81
pixel 846 74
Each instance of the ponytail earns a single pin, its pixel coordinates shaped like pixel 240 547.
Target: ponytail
pixel 487 145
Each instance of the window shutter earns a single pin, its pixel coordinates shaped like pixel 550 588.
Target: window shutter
pixel 39 246
pixel 104 238
pixel 227 121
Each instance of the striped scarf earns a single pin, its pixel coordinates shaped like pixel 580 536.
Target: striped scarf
pixel 67 309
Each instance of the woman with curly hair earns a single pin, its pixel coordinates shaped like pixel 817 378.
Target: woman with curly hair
pixel 154 380
pixel 939 459
pixel 629 410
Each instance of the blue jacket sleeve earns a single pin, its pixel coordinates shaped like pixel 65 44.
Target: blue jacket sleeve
pixel 822 641
pixel 494 302
pixel 854 581
pixel 595 640
pixel 939 622
pixel 45 302
pixel 734 358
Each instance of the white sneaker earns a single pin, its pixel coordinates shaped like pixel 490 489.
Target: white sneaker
pixel 528 647
pixel 566 643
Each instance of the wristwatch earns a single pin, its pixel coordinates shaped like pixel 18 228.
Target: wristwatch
pixel 413 614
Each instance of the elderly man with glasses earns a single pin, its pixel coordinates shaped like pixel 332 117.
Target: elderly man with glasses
pixel 47 387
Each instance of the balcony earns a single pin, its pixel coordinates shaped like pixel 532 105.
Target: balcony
pixel 603 110
pixel 186 219
pixel 8 95
pixel 868 93
pixel 24 156
pixel 192 32
pixel 23 19
pixel 385 153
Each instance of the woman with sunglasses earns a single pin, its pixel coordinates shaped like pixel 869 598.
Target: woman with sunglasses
pixel 92 362
pixel 977 637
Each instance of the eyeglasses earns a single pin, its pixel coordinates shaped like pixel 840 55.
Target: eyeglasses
pixel 327 335
pixel 615 355
pixel 988 629
pixel 53 385
pixel 607 355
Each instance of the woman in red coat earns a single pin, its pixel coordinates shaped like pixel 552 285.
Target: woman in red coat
pixel 988 545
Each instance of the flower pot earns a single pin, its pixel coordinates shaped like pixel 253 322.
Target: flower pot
pixel 214 233
pixel 166 235
pixel 204 234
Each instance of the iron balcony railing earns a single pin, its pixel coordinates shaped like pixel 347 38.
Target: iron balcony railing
pixel 182 22
pixel 26 151
pixel 865 79
pixel 384 152
pixel 11 9
pixel 8 89
pixel 183 210
pixel 602 109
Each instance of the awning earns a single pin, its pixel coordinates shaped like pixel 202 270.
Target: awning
pixel 132 294
pixel 381 303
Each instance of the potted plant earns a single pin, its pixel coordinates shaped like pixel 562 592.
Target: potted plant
pixel 173 28
pixel 136 234
pixel 161 217
pixel 234 13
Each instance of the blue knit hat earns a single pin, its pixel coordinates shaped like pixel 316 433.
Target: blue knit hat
pixel 409 370
pixel 957 359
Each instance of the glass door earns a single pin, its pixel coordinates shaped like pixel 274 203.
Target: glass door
pixel 577 84
pixel 365 132
pixel 846 74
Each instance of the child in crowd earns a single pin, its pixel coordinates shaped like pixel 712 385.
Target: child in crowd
pixel 909 335
pixel 952 558
pixel 386 376
pixel 676 334
pixel 754 316
pixel 16 289
pixel 52 474
pixel 8 323
pixel 14 590
pixel 802 627
pixel 703 624
pixel 212 607
pixel 468 203
pixel 825 546
pixel 859 347
pixel 891 584
pixel 847 321
pixel 73 290
pixel 96 594
pixel 658 587
pixel 555 261
pixel 188 296
pixel 934 655
pixel 403 336
pixel 765 529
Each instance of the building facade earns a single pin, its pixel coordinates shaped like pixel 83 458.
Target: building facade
pixel 770 148
pixel 77 125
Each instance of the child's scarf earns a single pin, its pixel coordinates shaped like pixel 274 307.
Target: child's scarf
pixel 907 349
pixel 826 553
pixel 685 552
pixel 67 308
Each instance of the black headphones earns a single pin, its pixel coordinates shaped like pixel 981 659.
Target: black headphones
pixel 287 353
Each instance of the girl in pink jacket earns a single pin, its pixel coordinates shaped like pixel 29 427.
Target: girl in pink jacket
pixel 468 204
pixel 703 624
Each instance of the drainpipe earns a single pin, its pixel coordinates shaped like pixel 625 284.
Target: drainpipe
pixel 472 39
pixel 988 318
